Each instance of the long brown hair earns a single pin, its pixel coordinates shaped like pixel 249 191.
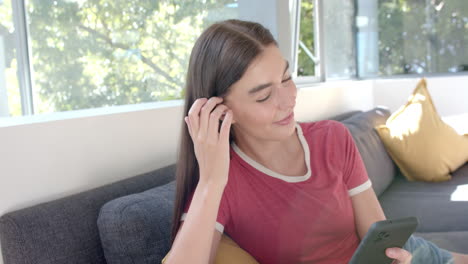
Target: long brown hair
pixel 219 58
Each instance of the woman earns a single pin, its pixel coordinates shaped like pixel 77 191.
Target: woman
pixel 285 192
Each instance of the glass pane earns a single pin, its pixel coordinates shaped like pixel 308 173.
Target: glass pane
pixel 10 99
pixel 338 16
pixel 422 36
pixel 306 50
pixel 97 53
pixel 367 38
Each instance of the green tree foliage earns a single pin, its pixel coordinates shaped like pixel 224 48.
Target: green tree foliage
pixel 98 53
pixel 306 67
pixel 420 36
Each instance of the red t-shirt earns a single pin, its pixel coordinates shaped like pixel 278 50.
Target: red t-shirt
pixel 297 219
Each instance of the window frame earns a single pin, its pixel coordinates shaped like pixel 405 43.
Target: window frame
pixel 318 43
pixel 23 55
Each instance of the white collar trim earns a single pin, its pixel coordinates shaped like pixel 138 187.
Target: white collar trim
pixel 271 173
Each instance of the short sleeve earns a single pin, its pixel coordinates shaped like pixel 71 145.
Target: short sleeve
pixel 223 212
pixel 354 171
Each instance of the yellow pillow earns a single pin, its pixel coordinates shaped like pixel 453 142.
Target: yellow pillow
pixel 421 144
pixel 230 253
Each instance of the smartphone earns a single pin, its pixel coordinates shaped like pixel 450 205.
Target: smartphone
pixel 382 235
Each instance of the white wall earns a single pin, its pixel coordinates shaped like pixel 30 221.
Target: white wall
pixel 449 94
pixel 332 98
pixel 46 160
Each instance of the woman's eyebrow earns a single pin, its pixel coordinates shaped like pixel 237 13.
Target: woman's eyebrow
pixel 263 86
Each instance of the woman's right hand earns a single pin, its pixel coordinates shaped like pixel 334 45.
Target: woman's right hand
pixel 211 144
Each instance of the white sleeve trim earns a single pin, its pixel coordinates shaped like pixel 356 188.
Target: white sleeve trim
pixel 360 188
pixel 218 226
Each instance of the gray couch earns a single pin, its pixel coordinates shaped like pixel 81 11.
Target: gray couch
pixel 129 221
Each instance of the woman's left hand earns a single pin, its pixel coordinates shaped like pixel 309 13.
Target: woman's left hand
pixel 399 255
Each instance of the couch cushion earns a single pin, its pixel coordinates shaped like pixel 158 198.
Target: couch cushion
pixel 421 144
pixel 440 207
pixel 345 115
pixel 136 228
pixel 65 230
pixel 379 165
pixel 229 252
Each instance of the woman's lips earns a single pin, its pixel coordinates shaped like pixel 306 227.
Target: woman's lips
pixel 286 120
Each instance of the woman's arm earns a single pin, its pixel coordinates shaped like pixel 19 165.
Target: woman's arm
pixel 367 210
pixel 197 239
pixel 194 239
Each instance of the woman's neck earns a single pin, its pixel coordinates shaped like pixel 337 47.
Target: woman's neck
pixel 273 154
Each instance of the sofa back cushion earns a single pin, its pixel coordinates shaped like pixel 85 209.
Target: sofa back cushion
pixel 65 230
pixel 136 228
pixel 380 167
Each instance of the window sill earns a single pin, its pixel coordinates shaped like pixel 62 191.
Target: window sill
pixel 110 110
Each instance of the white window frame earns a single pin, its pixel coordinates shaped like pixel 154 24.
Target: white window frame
pixel 23 56
pixel 302 81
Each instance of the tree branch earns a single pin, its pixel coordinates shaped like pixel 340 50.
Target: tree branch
pixel 144 59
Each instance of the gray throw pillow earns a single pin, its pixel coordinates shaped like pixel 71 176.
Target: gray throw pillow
pixel 379 165
pixel 136 228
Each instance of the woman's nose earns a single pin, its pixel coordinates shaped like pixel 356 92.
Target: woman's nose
pixel 287 95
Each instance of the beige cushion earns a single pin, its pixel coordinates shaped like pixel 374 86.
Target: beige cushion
pixel 230 253
pixel 421 144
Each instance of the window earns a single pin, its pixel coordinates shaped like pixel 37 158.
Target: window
pixel 338 39
pixel 326 39
pixel 412 37
pixel 74 54
pixel 306 52
pixel 79 54
pixel 88 54
pixel 10 99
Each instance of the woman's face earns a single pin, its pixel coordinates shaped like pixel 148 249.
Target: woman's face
pixel 263 100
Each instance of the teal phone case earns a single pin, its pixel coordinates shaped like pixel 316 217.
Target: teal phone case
pixel 382 235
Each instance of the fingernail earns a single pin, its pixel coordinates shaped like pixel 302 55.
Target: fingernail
pixel 391 252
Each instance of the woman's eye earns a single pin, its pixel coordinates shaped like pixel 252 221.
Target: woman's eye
pixel 264 99
pixel 287 79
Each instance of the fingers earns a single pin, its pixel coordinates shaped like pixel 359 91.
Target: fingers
pixel 193 116
pixel 215 116
pixel 205 112
pixel 204 116
pixel 400 255
pixel 226 126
